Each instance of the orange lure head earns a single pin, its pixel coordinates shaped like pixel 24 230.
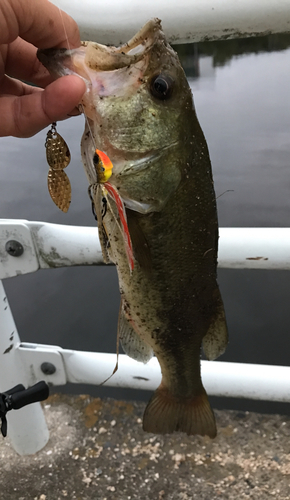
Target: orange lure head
pixel 103 166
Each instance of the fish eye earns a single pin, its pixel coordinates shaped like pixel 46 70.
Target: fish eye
pixel 161 86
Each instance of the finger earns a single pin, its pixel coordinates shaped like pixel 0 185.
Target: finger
pixel 26 115
pixel 38 22
pixel 22 63
pixel 13 87
pixel 10 86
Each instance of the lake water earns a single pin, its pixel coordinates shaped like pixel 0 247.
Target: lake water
pixel 242 101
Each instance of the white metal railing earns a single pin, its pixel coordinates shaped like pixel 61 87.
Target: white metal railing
pixel 45 245
pixel 183 21
pixel 52 245
pixel 235 380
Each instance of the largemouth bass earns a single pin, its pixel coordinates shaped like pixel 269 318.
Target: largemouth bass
pixel 140 113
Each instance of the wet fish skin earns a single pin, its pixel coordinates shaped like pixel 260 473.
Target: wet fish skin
pixel 170 302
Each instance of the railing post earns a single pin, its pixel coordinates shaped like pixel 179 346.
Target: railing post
pixel 27 429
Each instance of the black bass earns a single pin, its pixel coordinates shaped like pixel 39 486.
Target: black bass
pixel 156 211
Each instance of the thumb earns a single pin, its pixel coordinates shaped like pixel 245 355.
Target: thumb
pixel 26 115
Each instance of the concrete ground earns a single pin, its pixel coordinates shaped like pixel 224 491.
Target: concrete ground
pixel 98 451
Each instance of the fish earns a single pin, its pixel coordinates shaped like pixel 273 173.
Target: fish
pixel 140 113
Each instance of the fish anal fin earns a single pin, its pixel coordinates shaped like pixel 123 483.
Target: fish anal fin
pixel 130 341
pixel 166 414
pixel 215 341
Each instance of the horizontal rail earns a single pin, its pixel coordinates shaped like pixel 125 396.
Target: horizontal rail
pixel 115 22
pixel 237 380
pixel 254 248
pixel 48 245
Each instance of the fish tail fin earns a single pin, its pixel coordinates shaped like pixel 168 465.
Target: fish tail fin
pixel 166 413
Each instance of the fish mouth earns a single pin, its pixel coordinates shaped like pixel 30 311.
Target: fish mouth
pixel 92 57
pixel 53 60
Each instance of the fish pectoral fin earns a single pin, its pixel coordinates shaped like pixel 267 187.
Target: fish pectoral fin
pixel 130 341
pixel 96 195
pixel 166 413
pixel 104 242
pixel 139 242
pixel 216 339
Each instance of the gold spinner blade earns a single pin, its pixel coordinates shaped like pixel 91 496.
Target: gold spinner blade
pixel 57 150
pixel 59 188
pixel 58 158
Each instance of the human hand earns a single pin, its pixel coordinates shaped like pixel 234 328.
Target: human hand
pixel 26 25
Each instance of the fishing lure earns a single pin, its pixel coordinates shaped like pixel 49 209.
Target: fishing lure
pixel 58 158
pixel 103 191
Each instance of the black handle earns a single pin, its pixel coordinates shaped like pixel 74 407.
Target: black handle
pixel 17 388
pixel 17 397
pixel 37 392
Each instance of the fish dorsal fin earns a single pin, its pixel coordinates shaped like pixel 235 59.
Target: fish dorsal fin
pixel 215 341
pixel 131 343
